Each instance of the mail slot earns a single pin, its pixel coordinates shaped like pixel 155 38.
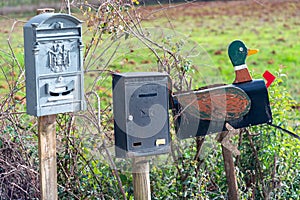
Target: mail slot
pixel 53 51
pixel 141 119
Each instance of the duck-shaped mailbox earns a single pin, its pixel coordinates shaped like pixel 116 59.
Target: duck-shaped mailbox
pixel 243 103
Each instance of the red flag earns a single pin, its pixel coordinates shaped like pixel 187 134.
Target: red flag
pixel 269 78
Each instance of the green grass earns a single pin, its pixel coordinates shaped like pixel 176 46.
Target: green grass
pixel 273 28
pixel 275 34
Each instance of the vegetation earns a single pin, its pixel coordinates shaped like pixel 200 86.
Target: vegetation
pixel 189 41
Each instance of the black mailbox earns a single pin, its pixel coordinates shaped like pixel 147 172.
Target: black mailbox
pixel 258 110
pixel 141 119
pixel 243 103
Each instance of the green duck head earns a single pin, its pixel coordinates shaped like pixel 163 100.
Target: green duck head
pixel 238 52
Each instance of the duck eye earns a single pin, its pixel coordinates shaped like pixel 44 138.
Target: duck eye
pixel 241 48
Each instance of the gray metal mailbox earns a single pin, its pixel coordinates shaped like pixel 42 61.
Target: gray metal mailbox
pixel 141 119
pixel 54 65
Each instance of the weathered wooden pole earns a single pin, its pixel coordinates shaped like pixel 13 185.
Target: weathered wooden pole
pixel 47 149
pixel 230 174
pixel 47 157
pixel 141 179
pixel 228 150
pixel 44 10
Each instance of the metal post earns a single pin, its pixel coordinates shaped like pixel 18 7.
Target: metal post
pixel 141 179
pixel 47 157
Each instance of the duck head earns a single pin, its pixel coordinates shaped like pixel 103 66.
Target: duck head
pixel 238 53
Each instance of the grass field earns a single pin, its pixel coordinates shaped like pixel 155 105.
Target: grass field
pixel 273 27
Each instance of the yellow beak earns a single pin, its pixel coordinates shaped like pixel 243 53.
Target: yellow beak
pixel 252 51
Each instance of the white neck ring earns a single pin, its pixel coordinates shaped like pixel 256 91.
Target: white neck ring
pixel 239 67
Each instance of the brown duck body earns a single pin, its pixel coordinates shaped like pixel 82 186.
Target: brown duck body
pixel 217 103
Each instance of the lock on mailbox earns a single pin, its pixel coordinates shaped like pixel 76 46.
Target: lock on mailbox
pixel 141 119
pixel 53 64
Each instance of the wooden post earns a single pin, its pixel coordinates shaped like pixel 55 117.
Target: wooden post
pixel 45 10
pixel 230 174
pixel 228 150
pixel 141 179
pixel 47 157
pixel 47 148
